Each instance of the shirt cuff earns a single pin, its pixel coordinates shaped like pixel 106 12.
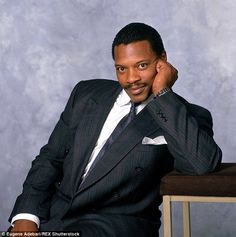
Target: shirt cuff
pixel 26 216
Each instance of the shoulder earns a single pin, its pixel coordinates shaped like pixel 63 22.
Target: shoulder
pixel 94 88
pixel 96 85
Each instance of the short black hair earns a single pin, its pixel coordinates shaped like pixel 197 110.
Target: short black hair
pixel 136 31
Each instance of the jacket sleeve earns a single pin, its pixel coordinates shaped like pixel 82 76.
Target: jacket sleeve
pixel 188 132
pixel 46 169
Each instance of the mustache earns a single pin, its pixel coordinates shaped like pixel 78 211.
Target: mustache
pixel 134 85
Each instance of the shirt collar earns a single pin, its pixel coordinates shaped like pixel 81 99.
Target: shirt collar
pixel 123 98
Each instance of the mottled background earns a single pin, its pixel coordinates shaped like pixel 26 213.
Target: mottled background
pixel 46 46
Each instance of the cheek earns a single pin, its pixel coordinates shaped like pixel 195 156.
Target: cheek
pixel 149 76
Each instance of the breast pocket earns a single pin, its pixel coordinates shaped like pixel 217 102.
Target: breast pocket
pixel 149 156
pixel 150 147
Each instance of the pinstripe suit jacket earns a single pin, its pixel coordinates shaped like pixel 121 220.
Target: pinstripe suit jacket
pixel 125 182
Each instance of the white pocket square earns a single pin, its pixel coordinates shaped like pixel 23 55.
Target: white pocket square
pixel 160 140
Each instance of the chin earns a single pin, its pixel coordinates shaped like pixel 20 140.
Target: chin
pixel 138 98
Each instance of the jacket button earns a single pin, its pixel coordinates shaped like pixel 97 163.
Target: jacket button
pixel 116 195
pixel 139 169
pixel 67 151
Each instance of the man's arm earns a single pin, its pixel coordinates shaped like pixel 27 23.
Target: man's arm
pixel 187 128
pixel 46 170
pixel 188 132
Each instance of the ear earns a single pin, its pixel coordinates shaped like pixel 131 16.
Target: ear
pixel 164 56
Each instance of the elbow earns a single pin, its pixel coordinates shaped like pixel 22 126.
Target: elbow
pixel 213 163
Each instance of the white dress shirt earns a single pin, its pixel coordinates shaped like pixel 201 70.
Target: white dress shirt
pixel 120 108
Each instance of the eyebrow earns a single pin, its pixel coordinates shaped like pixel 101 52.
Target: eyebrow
pixel 141 61
pixel 118 65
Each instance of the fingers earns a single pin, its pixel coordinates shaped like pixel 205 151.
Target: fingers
pixel 174 73
pixel 161 64
pixel 166 76
pixel 167 68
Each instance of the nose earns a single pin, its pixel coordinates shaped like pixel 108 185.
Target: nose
pixel 133 76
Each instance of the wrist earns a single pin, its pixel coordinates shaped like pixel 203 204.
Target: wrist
pixel 24 225
pixel 26 216
pixel 162 91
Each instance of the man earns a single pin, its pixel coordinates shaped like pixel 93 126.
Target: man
pixel 72 187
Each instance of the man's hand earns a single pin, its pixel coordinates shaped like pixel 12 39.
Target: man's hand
pixel 166 76
pixel 24 226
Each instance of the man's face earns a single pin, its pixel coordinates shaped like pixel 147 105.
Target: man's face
pixel 136 69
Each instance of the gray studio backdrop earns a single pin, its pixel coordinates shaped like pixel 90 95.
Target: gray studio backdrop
pixel 47 46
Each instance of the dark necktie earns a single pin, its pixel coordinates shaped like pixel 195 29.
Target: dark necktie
pixel 115 134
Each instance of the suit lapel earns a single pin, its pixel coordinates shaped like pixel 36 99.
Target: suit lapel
pixel 89 128
pixel 141 126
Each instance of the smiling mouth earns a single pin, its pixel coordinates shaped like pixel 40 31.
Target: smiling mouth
pixel 137 90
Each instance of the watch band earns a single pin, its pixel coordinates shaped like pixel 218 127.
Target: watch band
pixel 163 91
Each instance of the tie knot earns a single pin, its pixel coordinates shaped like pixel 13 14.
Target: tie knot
pixel 133 107
pixel 135 104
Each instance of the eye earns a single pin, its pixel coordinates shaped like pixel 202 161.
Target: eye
pixel 142 66
pixel 120 69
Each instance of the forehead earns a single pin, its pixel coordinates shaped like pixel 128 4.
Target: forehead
pixel 136 51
